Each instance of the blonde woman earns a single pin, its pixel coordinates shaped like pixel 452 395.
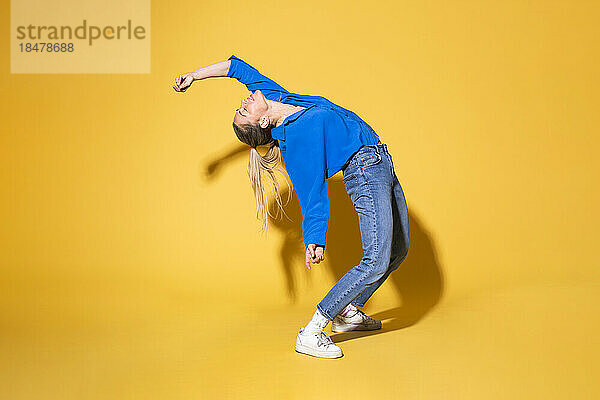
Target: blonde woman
pixel 315 139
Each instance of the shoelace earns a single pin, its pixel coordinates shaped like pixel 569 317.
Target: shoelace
pixel 323 339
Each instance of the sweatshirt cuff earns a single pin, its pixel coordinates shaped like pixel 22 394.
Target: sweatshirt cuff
pixel 318 239
pixel 232 66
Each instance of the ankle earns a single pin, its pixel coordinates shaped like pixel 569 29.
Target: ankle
pixel 317 323
pixel 349 310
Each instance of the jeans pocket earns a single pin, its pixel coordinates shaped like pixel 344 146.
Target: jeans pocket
pixel 350 175
pixel 369 158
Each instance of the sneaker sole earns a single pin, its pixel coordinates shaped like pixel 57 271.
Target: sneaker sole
pixel 308 351
pixel 351 327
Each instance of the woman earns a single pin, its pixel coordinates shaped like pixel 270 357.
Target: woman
pixel 316 138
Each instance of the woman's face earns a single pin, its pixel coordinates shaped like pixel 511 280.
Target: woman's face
pixel 251 109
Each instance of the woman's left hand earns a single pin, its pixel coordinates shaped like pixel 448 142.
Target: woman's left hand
pixel 314 254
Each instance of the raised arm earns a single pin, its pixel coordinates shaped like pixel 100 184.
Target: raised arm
pixel 183 81
pixel 217 69
pixel 237 68
pixel 253 79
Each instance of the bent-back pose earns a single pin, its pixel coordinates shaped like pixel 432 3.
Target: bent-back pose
pixel 316 139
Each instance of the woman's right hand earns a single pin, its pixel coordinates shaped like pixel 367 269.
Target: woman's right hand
pixel 183 82
pixel 314 254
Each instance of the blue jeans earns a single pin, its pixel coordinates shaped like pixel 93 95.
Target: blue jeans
pixel 373 186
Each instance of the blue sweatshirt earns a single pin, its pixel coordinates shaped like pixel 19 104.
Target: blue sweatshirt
pixel 315 143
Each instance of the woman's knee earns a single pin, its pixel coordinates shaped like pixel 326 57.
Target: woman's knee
pixel 375 264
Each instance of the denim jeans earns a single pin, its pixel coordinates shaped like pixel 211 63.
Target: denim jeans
pixel 373 187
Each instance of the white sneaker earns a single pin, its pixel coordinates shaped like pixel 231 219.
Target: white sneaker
pixel 318 344
pixel 359 321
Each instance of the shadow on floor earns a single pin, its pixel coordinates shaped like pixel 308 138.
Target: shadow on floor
pixel 418 282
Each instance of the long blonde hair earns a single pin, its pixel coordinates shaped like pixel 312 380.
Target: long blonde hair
pixel 262 170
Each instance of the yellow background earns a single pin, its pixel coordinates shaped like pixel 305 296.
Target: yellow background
pixel 132 266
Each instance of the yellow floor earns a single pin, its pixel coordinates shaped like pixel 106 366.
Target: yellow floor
pixel 157 342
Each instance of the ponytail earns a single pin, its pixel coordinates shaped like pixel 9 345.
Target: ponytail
pixel 258 167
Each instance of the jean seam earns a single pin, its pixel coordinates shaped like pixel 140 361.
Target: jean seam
pixel 376 252
pixel 389 157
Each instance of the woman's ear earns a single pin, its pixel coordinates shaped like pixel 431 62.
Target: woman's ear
pixel 264 122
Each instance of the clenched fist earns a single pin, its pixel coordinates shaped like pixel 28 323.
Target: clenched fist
pixel 314 254
pixel 183 81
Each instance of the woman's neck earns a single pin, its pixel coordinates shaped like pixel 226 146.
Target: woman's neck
pixel 280 111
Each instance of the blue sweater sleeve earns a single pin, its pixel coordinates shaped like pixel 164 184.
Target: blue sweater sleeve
pixel 253 79
pixel 307 171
